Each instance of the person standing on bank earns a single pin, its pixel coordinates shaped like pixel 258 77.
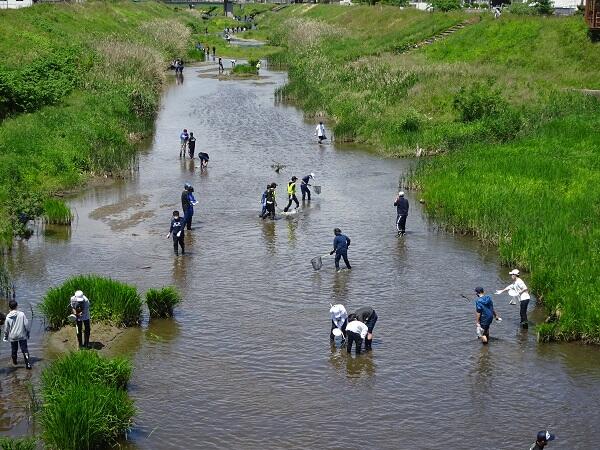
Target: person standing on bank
pixel 291 190
pixel 368 316
pixel 16 330
pixel 305 184
pixel 341 242
pixel 356 331
pixel 543 437
pixel 401 205
pixel 176 230
pixel 484 314
pixel 320 132
pixel 522 291
pixel 81 308
pixel 339 319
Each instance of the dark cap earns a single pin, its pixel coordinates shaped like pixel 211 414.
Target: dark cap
pixel 479 290
pixel 545 436
pixel 337 230
pixel 294 178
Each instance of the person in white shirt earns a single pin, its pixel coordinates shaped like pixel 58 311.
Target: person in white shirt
pixel 356 331
pixel 339 319
pixel 320 132
pixel 522 291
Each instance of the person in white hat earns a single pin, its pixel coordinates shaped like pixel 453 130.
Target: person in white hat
pixel 339 319
pixel 522 291
pixel 401 205
pixel 305 184
pixel 81 308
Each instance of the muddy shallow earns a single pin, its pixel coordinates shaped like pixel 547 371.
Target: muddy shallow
pixel 247 361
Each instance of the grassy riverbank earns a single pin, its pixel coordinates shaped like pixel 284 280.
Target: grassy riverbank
pixel 79 87
pixel 498 102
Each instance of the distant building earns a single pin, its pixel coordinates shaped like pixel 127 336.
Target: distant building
pixel 15 4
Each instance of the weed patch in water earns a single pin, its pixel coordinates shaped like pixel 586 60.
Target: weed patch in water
pixel 57 212
pixel 162 301
pixel 8 443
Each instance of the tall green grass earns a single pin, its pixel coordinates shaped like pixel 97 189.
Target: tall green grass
pixel 110 301
pixel 162 301
pixel 57 212
pixel 85 404
pixel 7 443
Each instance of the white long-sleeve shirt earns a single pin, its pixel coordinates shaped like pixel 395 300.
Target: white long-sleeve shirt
pixel 521 289
pixel 338 315
pixel 356 326
pixel 320 130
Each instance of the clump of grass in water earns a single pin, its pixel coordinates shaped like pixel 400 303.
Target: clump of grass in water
pixel 110 300
pixel 57 212
pixel 246 69
pixel 7 443
pixel 85 402
pixel 162 301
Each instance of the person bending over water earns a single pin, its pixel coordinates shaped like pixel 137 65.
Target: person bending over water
pixel 305 184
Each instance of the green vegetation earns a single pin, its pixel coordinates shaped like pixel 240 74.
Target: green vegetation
pixel 7 443
pixel 82 88
pixel 110 301
pixel 246 69
pixel 498 102
pixel 57 212
pixel 85 403
pixel 162 301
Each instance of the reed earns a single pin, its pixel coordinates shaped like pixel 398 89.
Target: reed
pixel 110 301
pixel 8 443
pixel 162 301
pixel 57 212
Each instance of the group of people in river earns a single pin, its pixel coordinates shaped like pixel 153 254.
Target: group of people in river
pixel 188 143
pixel 354 329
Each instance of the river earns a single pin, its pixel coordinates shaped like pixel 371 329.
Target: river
pixel 246 363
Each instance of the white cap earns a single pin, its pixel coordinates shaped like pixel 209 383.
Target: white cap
pixel 78 294
pixel 514 272
pixel 401 193
pixel 312 175
pixel 337 310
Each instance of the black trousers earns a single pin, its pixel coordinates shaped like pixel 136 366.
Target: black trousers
pixel 401 223
pixel 305 191
pixel 370 326
pixel 353 337
pixel 334 326
pixel 178 241
pixel 523 304
pixel 14 346
pixel 191 150
pixel 338 256
pixel 83 326
pixel 271 210
pixel 294 199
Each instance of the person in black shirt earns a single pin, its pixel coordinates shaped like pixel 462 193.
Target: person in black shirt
pixel 305 184
pixel 176 230
pixel 368 316
pixel 401 205
pixel 191 145
pixel 543 437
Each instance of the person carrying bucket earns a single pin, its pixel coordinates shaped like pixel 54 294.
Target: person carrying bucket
pixel 401 205
pixel 320 132
pixel 341 242
pixel 305 184
pixel 291 190
pixel 339 320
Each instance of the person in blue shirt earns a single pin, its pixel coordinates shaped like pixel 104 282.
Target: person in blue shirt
pixel 187 204
pixel 341 242
pixel 305 184
pixel 484 314
pixel 183 139
pixel 263 202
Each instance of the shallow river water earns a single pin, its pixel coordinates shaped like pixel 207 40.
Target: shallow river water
pixel 247 363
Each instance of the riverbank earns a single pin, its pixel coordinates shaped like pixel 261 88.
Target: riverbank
pixel 495 98
pixel 78 95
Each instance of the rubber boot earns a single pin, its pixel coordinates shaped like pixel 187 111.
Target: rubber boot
pixel 27 363
pixel 79 341
pixel 86 340
pixel 14 358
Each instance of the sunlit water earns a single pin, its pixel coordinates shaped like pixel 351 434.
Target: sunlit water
pixel 247 363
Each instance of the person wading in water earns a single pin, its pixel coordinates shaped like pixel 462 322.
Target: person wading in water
pixel 291 190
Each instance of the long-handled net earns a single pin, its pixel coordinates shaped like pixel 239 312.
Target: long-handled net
pixel 317 189
pixel 317 262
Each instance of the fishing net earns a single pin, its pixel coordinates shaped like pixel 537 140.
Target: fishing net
pixel 317 263
pixel 317 189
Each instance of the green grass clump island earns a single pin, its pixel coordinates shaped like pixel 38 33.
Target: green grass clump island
pixel 85 402
pixel 500 105
pixel 110 301
pixel 56 212
pixel 162 301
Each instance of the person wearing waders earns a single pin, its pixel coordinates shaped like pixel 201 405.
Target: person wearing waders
pixel 368 316
pixel 543 437
pixel 291 190
pixel 191 145
pixel 356 331
pixel 341 242
pixel 183 139
pixel 263 203
pixel 305 184
pixel 16 330
pixel 320 132
pixel 80 305
pixel 522 291
pixel 339 319
pixel 271 201
pixel 484 314
pixel 176 230
pixel 401 205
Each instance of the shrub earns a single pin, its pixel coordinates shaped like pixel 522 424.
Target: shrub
pixel 521 9
pixel 162 301
pixel 57 212
pixel 84 402
pixel 7 443
pixel 446 5
pixel 110 300
pixel 478 101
